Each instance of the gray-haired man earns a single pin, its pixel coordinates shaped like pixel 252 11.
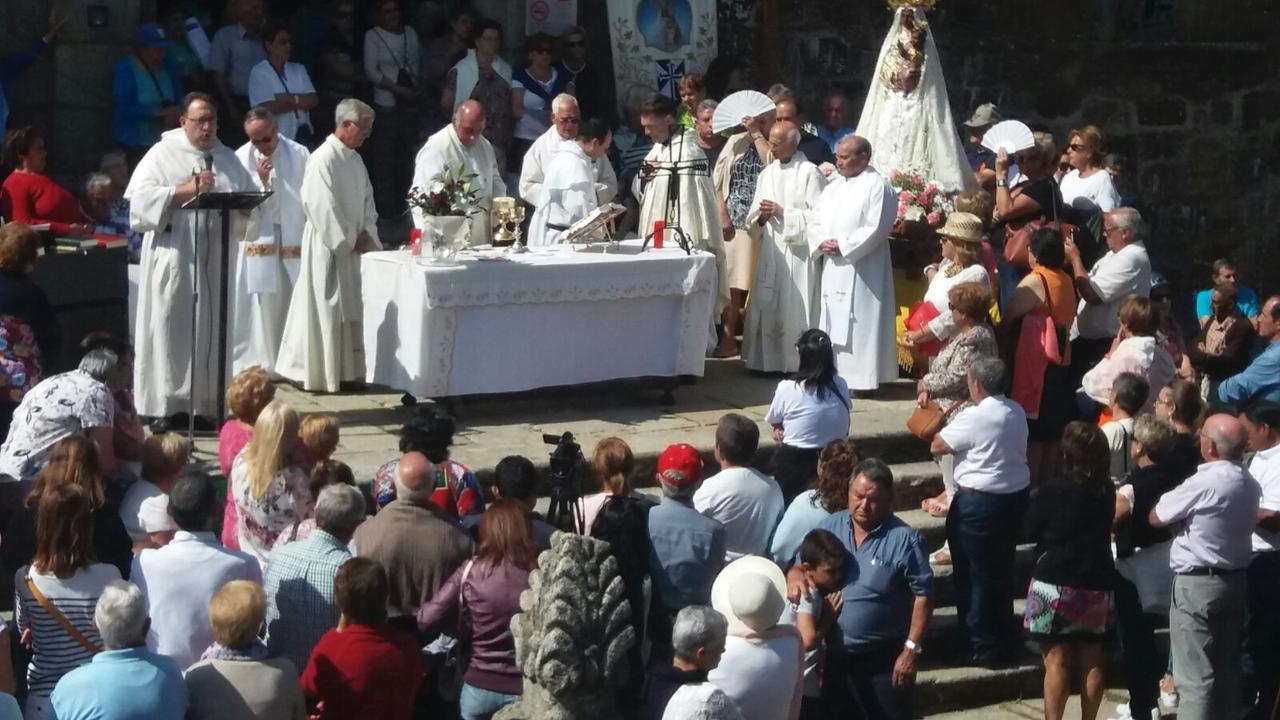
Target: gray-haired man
pixel 698 638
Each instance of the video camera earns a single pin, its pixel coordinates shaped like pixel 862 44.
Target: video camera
pixel 565 511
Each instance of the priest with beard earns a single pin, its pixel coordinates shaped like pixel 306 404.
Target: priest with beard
pixel 181 266
pixel 566 119
pixel 267 267
pixel 569 191
pixel 782 297
pixel 849 231
pixel 323 345
pixel 676 157
pixel 461 144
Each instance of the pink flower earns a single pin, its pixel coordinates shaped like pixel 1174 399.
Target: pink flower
pixel 894 175
pixel 910 197
pixel 902 209
pixel 933 219
pixel 904 196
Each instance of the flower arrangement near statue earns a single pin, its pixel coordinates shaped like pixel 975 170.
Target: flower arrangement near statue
pixel 442 212
pixel 920 199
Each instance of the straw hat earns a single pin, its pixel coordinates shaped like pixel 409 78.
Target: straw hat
pixel 751 592
pixel 962 227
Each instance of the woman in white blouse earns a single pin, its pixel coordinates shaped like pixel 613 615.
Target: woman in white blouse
pixel 808 411
pixel 1087 187
pixel 961 240
pixel 283 87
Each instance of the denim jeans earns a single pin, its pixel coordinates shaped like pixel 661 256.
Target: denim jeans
pixel 859 683
pixel 982 530
pixel 478 704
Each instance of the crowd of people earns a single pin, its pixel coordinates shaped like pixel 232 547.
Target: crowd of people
pixel 1055 389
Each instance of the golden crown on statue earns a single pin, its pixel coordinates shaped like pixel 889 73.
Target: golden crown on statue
pixel 925 5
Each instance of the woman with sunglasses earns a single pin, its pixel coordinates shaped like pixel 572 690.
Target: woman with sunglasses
pixel 1033 195
pixel 1087 187
pixel 532 90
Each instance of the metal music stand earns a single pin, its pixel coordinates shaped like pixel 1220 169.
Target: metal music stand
pixel 671 213
pixel 224 203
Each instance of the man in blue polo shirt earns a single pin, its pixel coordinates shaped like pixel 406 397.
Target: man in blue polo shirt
pixel 887 602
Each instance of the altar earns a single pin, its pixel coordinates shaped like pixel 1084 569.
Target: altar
pixel 549 317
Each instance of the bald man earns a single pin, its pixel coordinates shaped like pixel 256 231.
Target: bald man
pixel 417 543
pixel 462 142
pixel 786 275
pixel 1215 511
pixel 813 147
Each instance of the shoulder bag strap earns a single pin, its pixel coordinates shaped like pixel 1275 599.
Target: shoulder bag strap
pixel 462 584
pixel 62 619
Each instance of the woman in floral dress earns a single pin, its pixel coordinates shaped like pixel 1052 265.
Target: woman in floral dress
pixel 271 491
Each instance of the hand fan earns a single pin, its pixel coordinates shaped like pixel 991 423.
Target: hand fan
pixel 744 103
pixel 1010 135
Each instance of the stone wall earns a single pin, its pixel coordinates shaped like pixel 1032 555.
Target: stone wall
pixel 1186 90
pixel 67 93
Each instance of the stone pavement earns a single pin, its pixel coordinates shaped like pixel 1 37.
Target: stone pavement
pixel 493 426
pixel 1033 709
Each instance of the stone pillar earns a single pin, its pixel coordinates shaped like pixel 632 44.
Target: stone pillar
pixel 67 94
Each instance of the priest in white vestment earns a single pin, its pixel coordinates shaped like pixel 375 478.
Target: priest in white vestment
pixel 179 270
pixel 783 288
pixel 849 230
pixel 322 345
pixel 569 190
pixel 677 157
pixel 566 119
pixel 267 266
pixel 462 144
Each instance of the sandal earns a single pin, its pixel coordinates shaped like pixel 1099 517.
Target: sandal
pixel 936 506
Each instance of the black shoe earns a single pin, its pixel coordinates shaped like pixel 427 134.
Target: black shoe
pixel 206 424
pixel 170 423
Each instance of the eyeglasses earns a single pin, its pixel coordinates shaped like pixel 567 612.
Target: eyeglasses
pixel 1108 230
pixel 1076 146
pixel 570 120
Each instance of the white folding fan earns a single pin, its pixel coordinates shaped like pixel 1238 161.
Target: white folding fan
pixel 1010 135
pixel 744 103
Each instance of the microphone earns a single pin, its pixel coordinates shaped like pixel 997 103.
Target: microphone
pixel 208 162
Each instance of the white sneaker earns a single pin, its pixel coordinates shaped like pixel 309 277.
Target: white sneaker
pixel 1122 713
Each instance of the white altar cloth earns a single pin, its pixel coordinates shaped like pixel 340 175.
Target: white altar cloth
pixel 550 317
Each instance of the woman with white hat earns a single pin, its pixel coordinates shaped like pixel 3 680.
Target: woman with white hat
pixel 762 666
pixel 961 241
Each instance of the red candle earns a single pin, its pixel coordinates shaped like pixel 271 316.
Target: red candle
pixel 415 242
pixel 659 229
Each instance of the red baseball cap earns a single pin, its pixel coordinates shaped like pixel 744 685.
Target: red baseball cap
pixel 680 465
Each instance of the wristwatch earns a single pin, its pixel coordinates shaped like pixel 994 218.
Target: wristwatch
pixel 913 646
pixel 1002 183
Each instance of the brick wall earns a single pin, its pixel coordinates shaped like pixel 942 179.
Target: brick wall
pixel 1186 90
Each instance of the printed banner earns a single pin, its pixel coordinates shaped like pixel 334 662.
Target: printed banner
pixel 552 17
pixel 655 42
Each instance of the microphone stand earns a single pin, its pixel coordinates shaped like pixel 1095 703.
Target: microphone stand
pixel 195 305
pixel 672 213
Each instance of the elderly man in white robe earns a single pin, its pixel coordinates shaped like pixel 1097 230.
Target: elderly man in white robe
pixel 566 119
pixel 849 230
pixel 322 346
pixel 462 144
pixel 782 289
pixel 569 191
pixel 677 157
pixel 180 273
pixel 267 266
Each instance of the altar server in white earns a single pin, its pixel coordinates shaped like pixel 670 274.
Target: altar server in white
pixel 782 291
pixel 322 345
pixel 565 121
pixel 569 191
pixel 462 144
pixel 676 157
pixel 267 266
pixel 849 230
pixel 174 269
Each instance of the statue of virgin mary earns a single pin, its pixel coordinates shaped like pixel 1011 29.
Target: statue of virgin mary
pixel 907 117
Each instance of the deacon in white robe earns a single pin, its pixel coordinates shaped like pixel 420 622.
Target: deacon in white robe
pixel 267 266
pixel 849 230
pixel 784 284
pixel 181 273
pixel 566 118
pixel 462 144
pixel 676 157
pixel 322 345
pixel 569 190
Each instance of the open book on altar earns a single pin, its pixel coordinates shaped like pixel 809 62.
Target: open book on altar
pixel 591 228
